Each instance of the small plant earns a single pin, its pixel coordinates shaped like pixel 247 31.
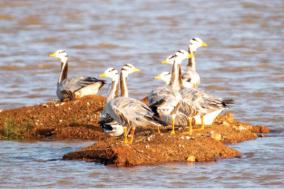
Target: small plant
pixel 12 130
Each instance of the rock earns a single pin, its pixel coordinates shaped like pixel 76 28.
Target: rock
pixel 191 158
pixel 216 136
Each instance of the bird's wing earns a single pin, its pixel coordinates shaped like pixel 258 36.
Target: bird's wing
pixel 191 77
pixel 132 111
pixel 77 83
pixel 158 94
pixel 200 101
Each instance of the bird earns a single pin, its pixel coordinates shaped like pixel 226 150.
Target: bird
pixel 191 78
pixel 109 125
pixel 197 104
pixel 169 94
pixel 130 112
pixel 206 106
pixel 164 76
pixel 77 87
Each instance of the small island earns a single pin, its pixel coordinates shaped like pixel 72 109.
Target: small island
pixel 78 119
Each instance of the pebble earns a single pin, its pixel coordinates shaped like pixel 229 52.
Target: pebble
pixel 225 123
pixel 216 136
pixel 45 105
pixel 186 137
pixel 191 158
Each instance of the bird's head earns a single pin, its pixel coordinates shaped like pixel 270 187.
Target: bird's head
pixel 59 54
pixel 164 76
pixel 177 57
pixel 129 69
pixel 110 73
pixel 195 43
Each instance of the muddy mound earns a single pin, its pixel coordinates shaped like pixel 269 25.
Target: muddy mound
pixel 78 119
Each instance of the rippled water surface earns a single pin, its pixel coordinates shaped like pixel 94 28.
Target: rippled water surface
pixel 244 60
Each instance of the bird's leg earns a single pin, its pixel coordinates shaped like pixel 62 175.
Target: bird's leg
pixel 173 126
pixel 159 132
pixel 202 122
pixel 125 135
pixel 190 125
pixel 132 134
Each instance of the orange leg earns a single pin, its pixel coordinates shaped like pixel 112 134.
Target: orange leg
pixel 202 122
pixel 125 135
pixel 159 132
pixel 173 126
pixel 132 134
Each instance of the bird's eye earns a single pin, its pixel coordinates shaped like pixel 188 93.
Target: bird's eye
pixel 194 39
pixel 173 56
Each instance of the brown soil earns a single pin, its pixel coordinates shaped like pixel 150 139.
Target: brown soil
pixel 54 120
pixel 79 120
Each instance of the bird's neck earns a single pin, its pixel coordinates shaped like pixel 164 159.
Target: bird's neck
pixel 114 89
pixel 123 84
pixel 174 82
pixel 64 70
pixel 191 61
pixel 180 83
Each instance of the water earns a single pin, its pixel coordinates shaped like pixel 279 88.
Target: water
pixel 244 60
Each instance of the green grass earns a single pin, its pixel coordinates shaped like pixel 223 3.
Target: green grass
pixel 12 130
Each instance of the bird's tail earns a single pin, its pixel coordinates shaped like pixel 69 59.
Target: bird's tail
pixel 227 102
pixel 156 116
pixel 91 80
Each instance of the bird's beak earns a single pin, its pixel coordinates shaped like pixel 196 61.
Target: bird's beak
pixel 165 61
pixel 204 44
pixel 103 75
pixel 52 54
pixel 157 77
pixel 136 70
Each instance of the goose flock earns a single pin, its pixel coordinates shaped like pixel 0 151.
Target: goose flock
pixel 178 102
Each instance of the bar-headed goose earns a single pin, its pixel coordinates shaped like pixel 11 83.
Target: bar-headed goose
pixel 77 87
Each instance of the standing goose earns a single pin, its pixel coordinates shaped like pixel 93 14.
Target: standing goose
pixel 77 87
pixel 130 112
pixel 106 122
pixel 200 105
pixel 169 94
pixel 191 78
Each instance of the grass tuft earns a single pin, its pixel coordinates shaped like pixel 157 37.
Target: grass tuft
pixel 12 130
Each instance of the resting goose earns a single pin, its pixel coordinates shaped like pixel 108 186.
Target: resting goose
pixel 130 112
pixel 106 122
pixel 77 87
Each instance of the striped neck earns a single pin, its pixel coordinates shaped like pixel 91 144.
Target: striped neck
pixel 114 89
pixel 63 71
pixel 123 84
pixel 191 61
pixel 174 82
pixel 180 82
